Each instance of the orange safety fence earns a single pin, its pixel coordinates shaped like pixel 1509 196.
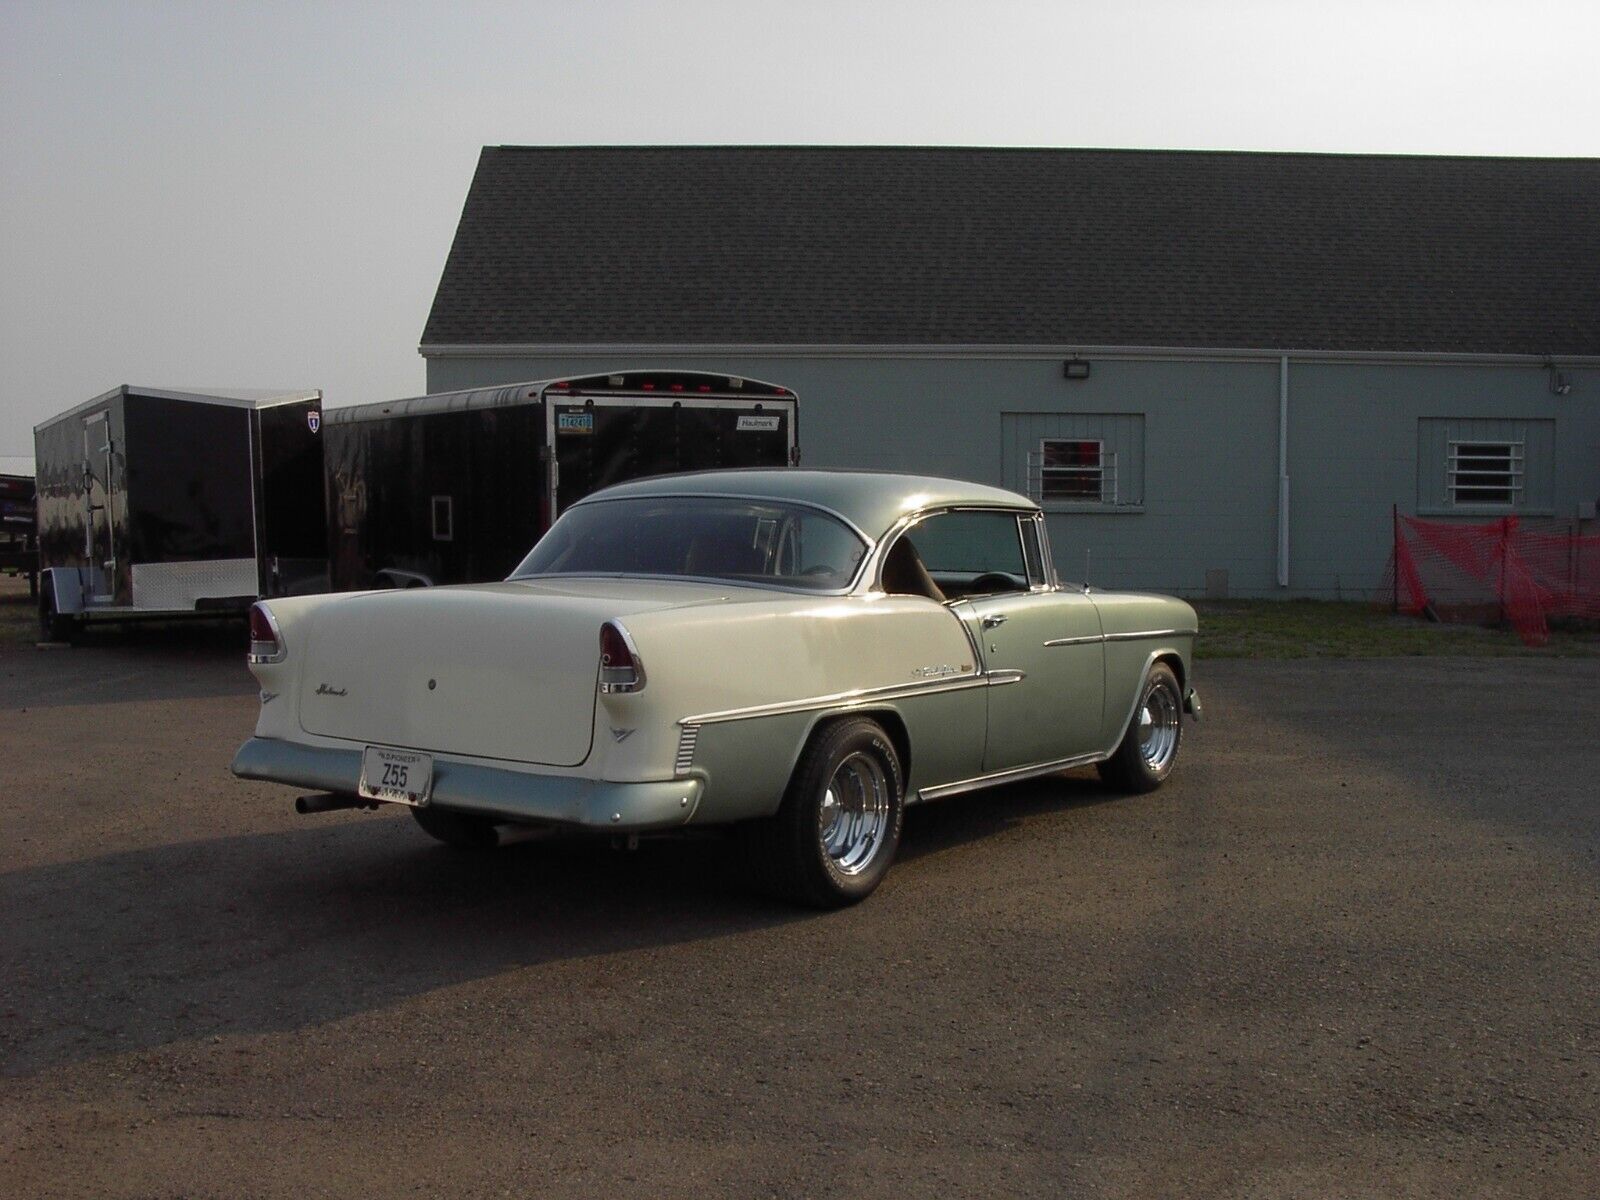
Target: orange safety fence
pixel 1503 572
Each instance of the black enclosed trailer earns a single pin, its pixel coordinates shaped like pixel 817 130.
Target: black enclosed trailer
pixel 456 487
pixel 19 550
pixel 162 502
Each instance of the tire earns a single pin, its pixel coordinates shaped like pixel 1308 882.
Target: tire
pixel 53 626
pixel 1149 749
pixel 464 831
pixel 836 832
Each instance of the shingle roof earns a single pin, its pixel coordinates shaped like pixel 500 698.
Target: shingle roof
pixel 910 246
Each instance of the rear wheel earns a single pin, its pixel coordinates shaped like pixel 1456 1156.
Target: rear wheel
pixel 464 831
pixel 1149 749
pixel 838 828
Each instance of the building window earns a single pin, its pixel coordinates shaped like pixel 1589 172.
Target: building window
pixel 1073 469
pixel 1075 462
pixel 1485 466
pixel 444 519
pixel 1483 474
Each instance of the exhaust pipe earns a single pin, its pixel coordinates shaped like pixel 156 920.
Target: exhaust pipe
pixel 330 802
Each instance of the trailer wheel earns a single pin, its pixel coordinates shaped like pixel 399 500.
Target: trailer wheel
pixel 53 625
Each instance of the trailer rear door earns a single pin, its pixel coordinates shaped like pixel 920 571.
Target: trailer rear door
pixel 599 440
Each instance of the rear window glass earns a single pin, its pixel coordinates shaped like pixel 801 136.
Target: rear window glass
pixel 700 537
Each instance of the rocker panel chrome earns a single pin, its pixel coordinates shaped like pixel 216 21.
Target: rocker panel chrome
pixel 1011 775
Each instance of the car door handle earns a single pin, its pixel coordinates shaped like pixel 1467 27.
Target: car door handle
pixel 994 619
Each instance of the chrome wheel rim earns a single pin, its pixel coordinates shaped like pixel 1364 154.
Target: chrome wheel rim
pixel 854 813
pixel 1158 726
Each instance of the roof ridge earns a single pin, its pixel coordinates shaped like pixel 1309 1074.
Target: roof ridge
pixel 965 148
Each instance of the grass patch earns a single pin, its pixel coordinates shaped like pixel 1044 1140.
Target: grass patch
pixel 1341 629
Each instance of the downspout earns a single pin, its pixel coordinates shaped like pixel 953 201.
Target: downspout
pixel 1283 471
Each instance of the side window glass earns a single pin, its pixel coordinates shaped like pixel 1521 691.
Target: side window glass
pixel 960 554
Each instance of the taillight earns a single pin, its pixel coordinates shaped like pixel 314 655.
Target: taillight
pixel 620 668
pixel 266 643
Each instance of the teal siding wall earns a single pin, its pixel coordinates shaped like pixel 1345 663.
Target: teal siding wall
pixel 1357 445
pixel 1208 435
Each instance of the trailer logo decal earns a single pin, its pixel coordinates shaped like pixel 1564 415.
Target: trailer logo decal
pixel 314 420
pixel 575 422
pixel 758 424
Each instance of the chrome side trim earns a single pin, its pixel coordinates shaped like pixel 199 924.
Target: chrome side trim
pixel 1120 637
pixel 859 696
pixel 1013 775
pixel 688 737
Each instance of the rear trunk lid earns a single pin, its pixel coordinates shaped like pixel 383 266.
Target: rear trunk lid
pixel 502 670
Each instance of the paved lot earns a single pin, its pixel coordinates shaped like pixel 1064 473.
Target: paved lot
pixel 1352 950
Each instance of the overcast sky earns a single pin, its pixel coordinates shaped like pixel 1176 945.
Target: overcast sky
pixel 262 195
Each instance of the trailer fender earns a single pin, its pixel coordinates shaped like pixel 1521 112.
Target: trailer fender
pixel 68 586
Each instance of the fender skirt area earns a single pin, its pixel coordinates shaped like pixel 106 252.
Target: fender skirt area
pixel 491 791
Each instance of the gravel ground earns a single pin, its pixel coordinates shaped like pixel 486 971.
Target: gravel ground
pixel 1352 949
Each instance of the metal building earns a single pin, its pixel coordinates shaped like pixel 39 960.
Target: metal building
pixel 1218 371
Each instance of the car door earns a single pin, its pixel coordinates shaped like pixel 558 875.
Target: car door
pixel 1054 710
pixel 1041 645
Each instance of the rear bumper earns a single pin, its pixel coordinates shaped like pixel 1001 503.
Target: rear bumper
pixel 490 791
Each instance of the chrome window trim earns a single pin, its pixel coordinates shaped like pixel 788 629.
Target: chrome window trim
pixel 857 697
pixel 894 532
pixel 718 580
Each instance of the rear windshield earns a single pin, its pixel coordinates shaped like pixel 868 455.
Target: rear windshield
pixel 749 541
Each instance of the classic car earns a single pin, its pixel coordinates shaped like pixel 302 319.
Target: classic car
pixel 793 654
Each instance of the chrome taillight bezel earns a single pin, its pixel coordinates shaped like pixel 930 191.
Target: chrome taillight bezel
pixel 618 680
pixel 274 651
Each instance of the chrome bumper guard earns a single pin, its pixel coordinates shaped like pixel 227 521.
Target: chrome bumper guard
pixel 1191 704
pixel 490 791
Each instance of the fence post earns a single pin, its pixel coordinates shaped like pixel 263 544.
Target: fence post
pixel 1505 549
pixel 1394 552
pixel 1572 565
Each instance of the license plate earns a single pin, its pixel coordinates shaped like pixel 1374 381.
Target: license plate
pixel 398 776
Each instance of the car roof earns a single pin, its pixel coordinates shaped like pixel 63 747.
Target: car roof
pixel 871 500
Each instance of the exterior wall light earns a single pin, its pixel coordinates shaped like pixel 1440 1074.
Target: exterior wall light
pixel 1075 368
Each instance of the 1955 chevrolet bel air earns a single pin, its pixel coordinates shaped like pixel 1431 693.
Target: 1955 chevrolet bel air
pixel 794 654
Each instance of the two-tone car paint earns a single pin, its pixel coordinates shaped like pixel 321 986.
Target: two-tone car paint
pixel 499 682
